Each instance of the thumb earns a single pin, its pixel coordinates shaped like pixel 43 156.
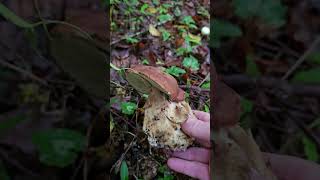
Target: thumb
pixel 197 129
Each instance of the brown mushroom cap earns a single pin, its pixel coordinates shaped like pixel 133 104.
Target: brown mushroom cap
pixel 143 78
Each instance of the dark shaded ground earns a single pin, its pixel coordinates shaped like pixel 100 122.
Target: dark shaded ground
pixel 262 63
pixel 52 104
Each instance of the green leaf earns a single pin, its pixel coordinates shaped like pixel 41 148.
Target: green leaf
pixel 251 67
pixel 191 62
pixel 187 20
pixel 111 126
pixel 310 149
pixel 58 147
pixel 124 172
pixel 155 2
pixel 3 172
pixel 128 108
pixel 177 12
pixel 164 18
pixel 83 61
pixel 206 108
pixel 12 17
pixel 223 29
pixel 206 85
pixel 165 34
pixel 145 62
pixel 271 12
pixel 193 38
pixel 203 11
pixel 143 8
pixel 132 40
pixel 311 76
pixel 175 71
pixel 246 106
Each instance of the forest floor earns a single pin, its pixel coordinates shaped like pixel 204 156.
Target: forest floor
pixel 165 34
pixel 54 113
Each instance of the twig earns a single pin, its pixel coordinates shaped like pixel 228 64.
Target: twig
pixel 305 129
pixel 24 72
pixel 136 34
pixel 204 80
pixel 238 80
pixel 301 59
pixel 36 5
pixel 16 163
pixel 123 155
pixel 196 88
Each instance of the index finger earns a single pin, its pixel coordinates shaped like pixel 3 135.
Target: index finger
pixel 197 129
pixel 203 116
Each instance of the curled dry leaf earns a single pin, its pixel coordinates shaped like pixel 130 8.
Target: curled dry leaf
pixel 153 31
pixel 163 118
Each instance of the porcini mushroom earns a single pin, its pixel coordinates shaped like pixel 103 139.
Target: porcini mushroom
pixel 165 108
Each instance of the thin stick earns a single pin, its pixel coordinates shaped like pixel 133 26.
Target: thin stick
pixel 24 72
pixel 10 160
pixel 301 59
pixel 136 34
pixel 204 80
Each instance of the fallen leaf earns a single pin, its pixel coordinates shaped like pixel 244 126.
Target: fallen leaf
pixel 194 38
pixel 152 10
pixel 153 31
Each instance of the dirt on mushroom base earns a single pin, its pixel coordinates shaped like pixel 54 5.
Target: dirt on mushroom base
pixel 162 122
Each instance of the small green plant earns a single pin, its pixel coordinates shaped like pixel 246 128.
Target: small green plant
pixel 145 62
pixel 177 12
pixel 143 8
pixel 184 50
pixel 128 108
pixel 132 40
pixel 175 71
pixel 165 34
pixel 310 149
pixel 124 172
pixel 206 108
pixel 193 39
pixel 191 62
pixel 58 147
pixel 206 85
pixel 203 11
pixel 165 173
pixel 164 18
pixel 187 20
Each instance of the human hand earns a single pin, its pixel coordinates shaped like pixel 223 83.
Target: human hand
pixel 292 168
pixel 194 161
